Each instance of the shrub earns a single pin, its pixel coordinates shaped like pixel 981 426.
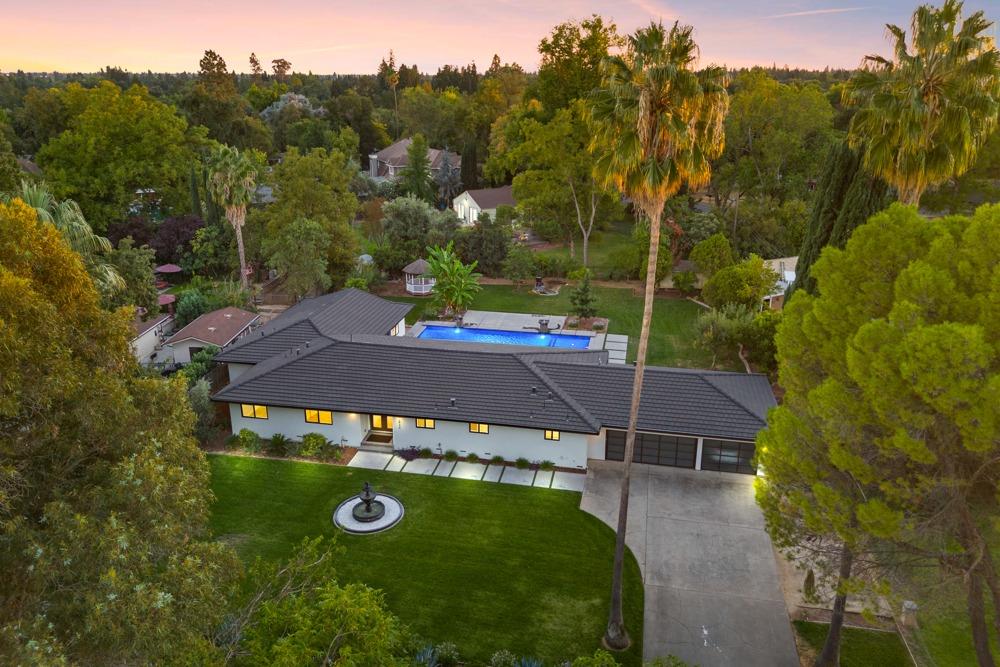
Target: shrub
pixel 313 444
pixel 713 254
pixel 408 453
pixel 277 444
pixel 472 458
pixel 204 410
pixel 625 263
pixel 598 326
pixel 426 452
pixel 331 453
pixel 745 283
pixel 232 442
pixel 451 455
pixel 447 655
pixel 503 658
pixel 497 460
pixel 249 440
pixel 547 465
pixel 809 586
pixel 293 448
pixel 685 281
pixel 522 463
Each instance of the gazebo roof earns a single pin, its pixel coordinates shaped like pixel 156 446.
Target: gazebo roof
pixel 168 268
pixel 419 267
pixel 165 299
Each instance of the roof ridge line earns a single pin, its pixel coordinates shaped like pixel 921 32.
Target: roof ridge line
pixel 280 360
pixel 581 411
pixel 705 379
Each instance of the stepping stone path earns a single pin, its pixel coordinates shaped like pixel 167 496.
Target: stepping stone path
pixel 547 479
pixel 617 347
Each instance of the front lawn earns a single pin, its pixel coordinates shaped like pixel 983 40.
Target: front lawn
pixel 674 337
pixel 486 566
pixel 859 648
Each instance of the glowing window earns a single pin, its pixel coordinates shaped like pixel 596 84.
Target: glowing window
pixel 319 416
pixel 425 423
pixel 477 427
pixel 253 411
pixel 551 435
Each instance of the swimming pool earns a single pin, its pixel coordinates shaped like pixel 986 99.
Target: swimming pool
pixel 473 335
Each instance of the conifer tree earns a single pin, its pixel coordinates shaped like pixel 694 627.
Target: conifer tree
pixel 583 298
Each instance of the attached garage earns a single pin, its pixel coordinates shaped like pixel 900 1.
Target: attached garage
pixel 654 448
pixel 681 452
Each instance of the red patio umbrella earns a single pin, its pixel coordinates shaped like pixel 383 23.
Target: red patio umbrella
pixel 168 268
pixel 168 301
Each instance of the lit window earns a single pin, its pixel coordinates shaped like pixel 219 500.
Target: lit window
pixel 476 427
pixel 551 435
pixel 319 416
pixel 253 411
pixel 395 331
pixel 425 423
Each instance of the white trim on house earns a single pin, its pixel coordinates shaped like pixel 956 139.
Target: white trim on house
pixel 147 346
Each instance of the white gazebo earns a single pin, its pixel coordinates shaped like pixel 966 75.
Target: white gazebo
pixel 418 278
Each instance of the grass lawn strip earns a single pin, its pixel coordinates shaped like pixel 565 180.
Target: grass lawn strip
pixel 486 566
pixel 859 648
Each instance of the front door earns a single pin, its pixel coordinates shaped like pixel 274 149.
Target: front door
pixel 380 422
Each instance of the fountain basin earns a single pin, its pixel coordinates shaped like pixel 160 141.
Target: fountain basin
pixel 388 509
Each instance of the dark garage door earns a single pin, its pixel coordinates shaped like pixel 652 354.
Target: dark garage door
pixel 664 450
pixel 727 456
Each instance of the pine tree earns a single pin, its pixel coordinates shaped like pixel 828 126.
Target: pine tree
pixel 583 298
pixel 847 196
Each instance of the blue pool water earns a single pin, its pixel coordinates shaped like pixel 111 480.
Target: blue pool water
pixel 473 335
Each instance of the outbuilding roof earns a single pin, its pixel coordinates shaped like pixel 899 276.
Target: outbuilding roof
pixel 490 198
pixel 218 327
pixel 419 267
pixel 348 311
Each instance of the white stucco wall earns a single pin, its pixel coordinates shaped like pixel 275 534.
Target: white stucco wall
pixel 347 428
pixel 570 451
pixel 401 327
pixel 144 346
pixel 464 205
pixel 236 370
pixel 595 445
pixel 182 349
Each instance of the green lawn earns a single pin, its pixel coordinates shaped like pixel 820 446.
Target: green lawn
pixel 603 244
pixel 674 335
pixel 860 648
pixel 943 621
pixel 486 566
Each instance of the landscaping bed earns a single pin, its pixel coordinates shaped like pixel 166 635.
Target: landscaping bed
pixel 485 566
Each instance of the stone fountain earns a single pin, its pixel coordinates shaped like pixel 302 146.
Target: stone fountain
pixel 368 512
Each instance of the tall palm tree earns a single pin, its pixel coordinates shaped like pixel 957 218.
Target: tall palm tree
pixel 67 217
pixel 657 124
pixel 926 112
pixel 232 181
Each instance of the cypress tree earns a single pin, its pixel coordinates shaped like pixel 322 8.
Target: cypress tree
pixel 582 298
pixel 846 197
pixel 195 195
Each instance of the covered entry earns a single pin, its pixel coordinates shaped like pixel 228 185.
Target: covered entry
pixel 654 448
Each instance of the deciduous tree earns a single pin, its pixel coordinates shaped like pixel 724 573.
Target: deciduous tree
pixel 300 253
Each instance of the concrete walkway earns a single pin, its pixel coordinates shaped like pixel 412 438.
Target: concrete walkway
pixel 617 347
pixel 711 583
pixel 480 472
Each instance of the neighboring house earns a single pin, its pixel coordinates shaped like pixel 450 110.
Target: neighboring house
pixel 472 203
pixel 785 268
pixel 391 160
pixel 147 343
pixel 331 369
pixel 419 280
pixel 219 328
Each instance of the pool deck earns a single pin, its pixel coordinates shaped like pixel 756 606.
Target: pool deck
pixel 519 322
pixel 615 344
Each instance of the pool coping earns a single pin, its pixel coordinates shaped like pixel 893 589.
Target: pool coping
pixel 496 320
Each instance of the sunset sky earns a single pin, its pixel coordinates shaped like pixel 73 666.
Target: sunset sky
pixel 351 37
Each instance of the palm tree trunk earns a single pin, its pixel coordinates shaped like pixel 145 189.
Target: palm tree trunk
pixel 616 636
pixel 237 223
pixel 830 655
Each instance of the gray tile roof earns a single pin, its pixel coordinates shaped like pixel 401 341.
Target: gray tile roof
pixel 348 311
pixel 674 400
pixel 409 377
pixel 574 390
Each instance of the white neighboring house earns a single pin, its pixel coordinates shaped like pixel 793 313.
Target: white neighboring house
pixel 147 344
pixel 472 203
pixel 219 328
pixel 785 268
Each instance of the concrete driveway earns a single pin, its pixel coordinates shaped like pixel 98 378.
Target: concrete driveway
pixel 711 581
